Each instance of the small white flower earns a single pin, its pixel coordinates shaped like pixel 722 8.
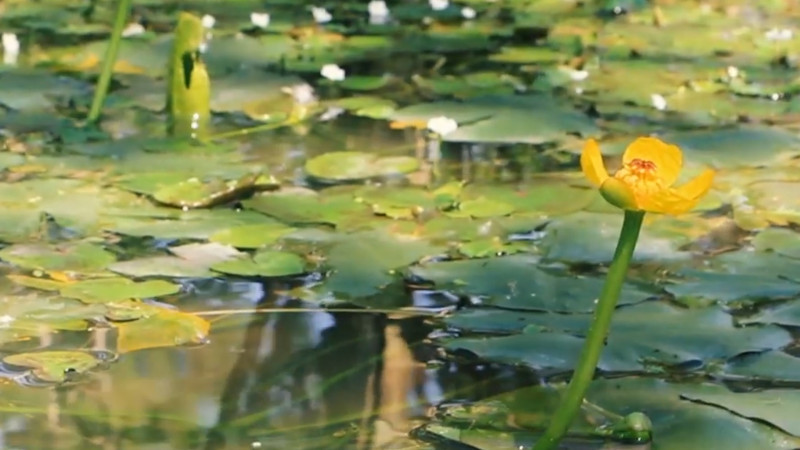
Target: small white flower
pixel 261 20
pixel 578 75
pixel 332 72
pixel 10 48
pixel 659 102
pixel 442 125
pixel 331 113
pixel 133 29
pixel 208 21
pixel 438 5
pixel 779 34
pixel 733 72
pixel 303 94
pixel 378 8
pixel 321 15
pixel 5 319
pixel 468 13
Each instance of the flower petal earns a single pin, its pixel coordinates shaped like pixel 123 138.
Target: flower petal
pixel 667 201
pixel 697 186
pixel 667 158
pixel 592 163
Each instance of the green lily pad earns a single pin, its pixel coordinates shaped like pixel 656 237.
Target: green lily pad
pixel 192 224
pixel 734 147
pixel 779 240
pixel 480 208
pixel 516 418
pixel 366 106
pixel 54 366
pixel 196 193
pixel 517 282
pixel 360 271
pixel 107 290
pixel 78 257
pixel 504 119
pixel 732 287
pixel 349 166
pixel 635 342
pixel 159 327
pixel 784 314
pixel 773 406
pixel 300 206
pixel 251 236
pixel 263 264
pixel 772 365
pixel 484 248
pixel 187 261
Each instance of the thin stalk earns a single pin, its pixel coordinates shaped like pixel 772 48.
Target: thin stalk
pixel 123 9
pixel 595 339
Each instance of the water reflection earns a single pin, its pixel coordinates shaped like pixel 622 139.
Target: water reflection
pixel 314 378
pixel 303 378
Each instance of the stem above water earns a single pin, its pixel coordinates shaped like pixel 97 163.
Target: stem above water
pixel 595 339
pixel 110 58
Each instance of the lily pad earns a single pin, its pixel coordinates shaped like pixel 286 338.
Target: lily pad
pixel 729 287
pixel 54 366
pixel 772 365
pixel 360 271
pixel 251 236
pixel 187 261
pixel 349 166
pixel 197 193
pixel 160 327
pixel 734 147
pixel 107 290
pixel 517 282
pixel 300 206
pixel 784 314
pixel 779 240
pixel 504 119
pixel 480 208
pixel 78 257
pixel 635 342
pixel 263 264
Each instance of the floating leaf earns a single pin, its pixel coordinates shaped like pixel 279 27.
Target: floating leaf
pixel 779 240
pixel 784 314
pixel 263 264
pixel 359 271
pixel 196 193
pixel 107 290
pixel 348 166
pixel 251 236
pixel 516 282
pixel 69 257
pixel 299 206
pixel 635 342
pixel 190 261
pixel 728 287
pixel 772 365
pixel 54 366
pixel 161 327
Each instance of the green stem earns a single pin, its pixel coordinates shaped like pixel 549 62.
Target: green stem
pixel 123 8
pixel 595 339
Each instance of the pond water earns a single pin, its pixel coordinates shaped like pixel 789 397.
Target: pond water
pixel 354 279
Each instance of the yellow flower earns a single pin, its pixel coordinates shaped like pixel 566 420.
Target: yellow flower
pixel 644 183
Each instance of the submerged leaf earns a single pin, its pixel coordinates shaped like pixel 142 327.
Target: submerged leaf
pixel 160 327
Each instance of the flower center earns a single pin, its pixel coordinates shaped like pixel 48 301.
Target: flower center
pixel 642 166
pixel 641 176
